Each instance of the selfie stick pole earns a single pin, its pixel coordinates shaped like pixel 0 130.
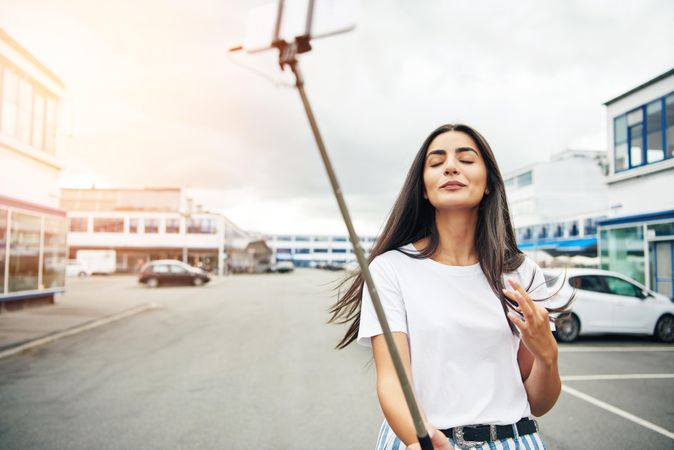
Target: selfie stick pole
pixel 288 53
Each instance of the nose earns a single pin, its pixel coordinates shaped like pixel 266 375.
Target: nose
pixel 450 167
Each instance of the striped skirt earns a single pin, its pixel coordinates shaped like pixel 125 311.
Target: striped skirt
pixel 387 440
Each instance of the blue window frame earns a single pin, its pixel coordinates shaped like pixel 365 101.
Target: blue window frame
pixel 644 135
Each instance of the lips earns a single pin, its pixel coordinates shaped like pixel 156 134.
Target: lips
pixel 452 184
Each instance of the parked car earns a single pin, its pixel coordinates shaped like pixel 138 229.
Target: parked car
pixel 283 266
pixel 611 303
pixel 76 268
pixel 172 272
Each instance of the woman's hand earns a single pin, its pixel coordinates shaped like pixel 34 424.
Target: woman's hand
pixel 534 326
pixel 438 439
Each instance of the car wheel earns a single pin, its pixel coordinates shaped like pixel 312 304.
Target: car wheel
pixel 197 281
pixel 664 329
pixel 152 282
pixel 568 329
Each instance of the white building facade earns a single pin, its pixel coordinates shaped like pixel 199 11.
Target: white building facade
pixel 638 237
pixel 147 224
pixel 32 227
pixel 315 250
pixel 555 204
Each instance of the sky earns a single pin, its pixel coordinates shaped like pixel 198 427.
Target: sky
pixel 153 99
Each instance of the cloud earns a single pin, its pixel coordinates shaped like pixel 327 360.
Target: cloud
pixel 154 99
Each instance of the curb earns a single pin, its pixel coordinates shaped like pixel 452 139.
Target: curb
pixel 13 350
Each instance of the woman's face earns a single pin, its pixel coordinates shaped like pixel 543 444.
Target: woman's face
pixel 454 157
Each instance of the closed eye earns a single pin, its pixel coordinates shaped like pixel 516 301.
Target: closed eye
pixel 465 162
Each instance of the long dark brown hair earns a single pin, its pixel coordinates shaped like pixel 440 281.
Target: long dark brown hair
pixel 413 217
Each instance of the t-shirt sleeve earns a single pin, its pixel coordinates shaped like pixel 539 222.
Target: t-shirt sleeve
pixel 539 289
pixel 388 289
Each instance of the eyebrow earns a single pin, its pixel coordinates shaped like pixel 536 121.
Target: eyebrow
pixel 458 150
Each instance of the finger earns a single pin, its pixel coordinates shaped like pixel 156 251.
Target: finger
pixel 518 287
pixel 525 295
pixel 524 307
pixel 509 301
pixel 519 323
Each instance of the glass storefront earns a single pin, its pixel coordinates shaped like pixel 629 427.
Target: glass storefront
pixel 622 251
pixel 24 251
pixel 3 247
pixel 54 258
pixel 33 238
pixel 661 249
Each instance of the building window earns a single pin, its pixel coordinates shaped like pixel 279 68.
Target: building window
pixel 201 226
pixel 24 252
pixel 573 230
pixel 620 137
pixel 525 179
pixel 10 101
pixel 635 136
pixel 283 251
pixel 302 251
pixel 54 260
pixel 38 121
pixel 151 226
pixel 590 226
pixel 339 239
pixel 527 233
pixel 25 110
pixel 645 135
pixel 50 127
pixel 622 251
pixel 338 250
pixel 79 224
pixel 108 225
pixel 669 124
pixel 173 226
pixel 302 238
pixel 133 225
pixel 284 238
pixel 654 147
pixel 3 246
pixel 320 250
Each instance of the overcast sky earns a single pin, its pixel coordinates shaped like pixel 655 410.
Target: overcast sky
pixel 154 100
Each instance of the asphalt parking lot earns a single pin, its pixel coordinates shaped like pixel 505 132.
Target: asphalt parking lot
pixel 247 362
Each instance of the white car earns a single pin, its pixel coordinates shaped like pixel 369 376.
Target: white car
pixel 77 269
pixel 610 303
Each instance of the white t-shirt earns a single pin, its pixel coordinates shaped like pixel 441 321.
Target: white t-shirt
pixel 463 354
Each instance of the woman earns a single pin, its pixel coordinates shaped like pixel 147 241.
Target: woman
pixel 477 348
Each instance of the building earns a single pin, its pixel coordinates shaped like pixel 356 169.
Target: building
pixel 637 239
pixel 555 204
pixel 147 224
pixel 315 250
pixel 32 227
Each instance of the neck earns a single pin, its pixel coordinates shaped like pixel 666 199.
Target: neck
pixel 457 237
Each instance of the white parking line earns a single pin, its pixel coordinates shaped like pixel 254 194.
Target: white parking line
pixel 628 376
pixel 617 411
pixel 653 348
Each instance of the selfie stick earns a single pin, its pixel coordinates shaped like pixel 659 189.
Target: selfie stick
pixel 288 57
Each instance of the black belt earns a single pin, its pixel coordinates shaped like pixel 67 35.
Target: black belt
pixel 479 434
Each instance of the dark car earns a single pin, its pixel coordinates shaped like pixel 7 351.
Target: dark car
pixel 172 272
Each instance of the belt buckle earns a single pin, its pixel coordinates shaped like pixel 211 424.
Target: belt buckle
pixel 457 433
